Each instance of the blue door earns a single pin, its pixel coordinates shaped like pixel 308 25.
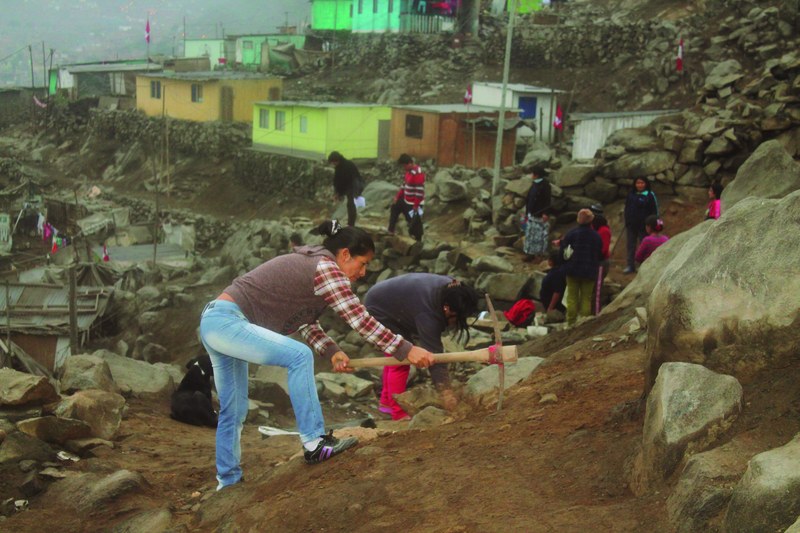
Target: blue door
pixel 528 106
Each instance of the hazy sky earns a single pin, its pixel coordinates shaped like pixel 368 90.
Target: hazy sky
pixel 89 30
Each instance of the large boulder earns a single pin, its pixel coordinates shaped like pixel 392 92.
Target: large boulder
pixel 574 175
pixel 87 492
pixel 141 378
pixel 706 485
pixel 768 496
pixel 84 371
pixel 19 388
pixel 723 74
pixel 639 164
pixel 508 287
pixel 770 172
pixel 449 189
pixel 482 387
pixel 639 289
pixel 634 140
pixel 55 430
pixel 19 446
pixel 102 411
pixel 687 408
pixel 728 299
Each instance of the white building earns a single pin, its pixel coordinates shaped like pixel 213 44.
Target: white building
pixel 592 129
pixel 538 104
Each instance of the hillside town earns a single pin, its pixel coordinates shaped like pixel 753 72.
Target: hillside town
pixel 532 262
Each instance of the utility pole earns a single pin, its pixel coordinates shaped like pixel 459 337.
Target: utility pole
pixel 33 110
pixel 501 120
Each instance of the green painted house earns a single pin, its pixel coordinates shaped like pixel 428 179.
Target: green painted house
pixel 312 130
pixel 253 51
pixel 406 16
pixel 526 6
pixel 332 15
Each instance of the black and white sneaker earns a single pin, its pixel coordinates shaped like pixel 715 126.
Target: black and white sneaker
pixel 328 447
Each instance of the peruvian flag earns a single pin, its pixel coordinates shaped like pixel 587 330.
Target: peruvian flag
pixel 468 95
pixel 558 122
pixel 147 31
pixel 679 59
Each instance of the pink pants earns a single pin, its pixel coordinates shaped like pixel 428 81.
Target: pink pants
pixel 394 382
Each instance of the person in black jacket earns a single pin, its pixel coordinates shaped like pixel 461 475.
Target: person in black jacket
pixel 640 204
pixel 582 251
pixel 537 209
pixel 347 183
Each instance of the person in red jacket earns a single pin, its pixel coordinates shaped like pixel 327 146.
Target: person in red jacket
pixel 410 198
pixel 600 225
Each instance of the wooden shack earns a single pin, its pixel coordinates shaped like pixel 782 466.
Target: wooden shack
pixel 452 134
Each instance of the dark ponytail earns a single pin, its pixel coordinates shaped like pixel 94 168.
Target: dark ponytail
pixel 463 301
pixel 655 223
pixel 337 237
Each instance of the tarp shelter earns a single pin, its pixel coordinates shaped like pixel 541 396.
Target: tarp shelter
pixel 37 315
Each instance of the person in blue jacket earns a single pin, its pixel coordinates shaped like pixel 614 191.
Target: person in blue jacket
pixel 640 204
pixel 582 251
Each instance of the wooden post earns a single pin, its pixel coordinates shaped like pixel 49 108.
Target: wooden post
pixel 73 312
pixel 550 118
pixel 5 358
pixel 498 148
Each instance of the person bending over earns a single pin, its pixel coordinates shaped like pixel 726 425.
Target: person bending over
pixel 420 307
pixel 249 323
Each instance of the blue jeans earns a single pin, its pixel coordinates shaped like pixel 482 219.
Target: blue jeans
pixel 232 342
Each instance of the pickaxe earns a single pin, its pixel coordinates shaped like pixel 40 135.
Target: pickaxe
pixel 493 355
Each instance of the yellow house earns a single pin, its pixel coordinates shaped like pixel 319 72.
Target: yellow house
pixel 205 96
pixel 314 129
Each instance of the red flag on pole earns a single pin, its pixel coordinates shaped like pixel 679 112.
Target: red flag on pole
pixel 468 95
pixel 558 122
pixel 679 59
pixel 147 31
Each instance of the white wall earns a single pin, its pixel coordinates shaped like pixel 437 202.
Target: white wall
pixel 491 96
pixel 591 134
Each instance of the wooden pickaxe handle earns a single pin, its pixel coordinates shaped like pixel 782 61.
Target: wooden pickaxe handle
pixel 483 355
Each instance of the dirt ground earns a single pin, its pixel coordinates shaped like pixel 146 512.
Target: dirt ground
pixel 530 467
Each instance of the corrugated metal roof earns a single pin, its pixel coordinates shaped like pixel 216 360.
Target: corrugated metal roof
pixel 454 108
pixel 309 103
pixel 615 114
pixel 520 87
pixel 112 67
pixel 44 309
pixel 210 75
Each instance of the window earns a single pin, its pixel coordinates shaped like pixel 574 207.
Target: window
pixel 247 45
pixel 274 93
pixel 303 124
pixel 351 10
pixel 280 120
pixel 197 93
pixel 414 126
pixel 263 118
pixel 155 89
pixel 374 6
pixel 391 6
pixel 360 6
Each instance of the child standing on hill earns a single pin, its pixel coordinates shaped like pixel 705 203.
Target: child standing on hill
pixel 715 203
pixel 654 239
pixel 640 203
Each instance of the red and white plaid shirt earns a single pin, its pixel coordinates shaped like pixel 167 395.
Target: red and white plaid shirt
pixel 333 286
